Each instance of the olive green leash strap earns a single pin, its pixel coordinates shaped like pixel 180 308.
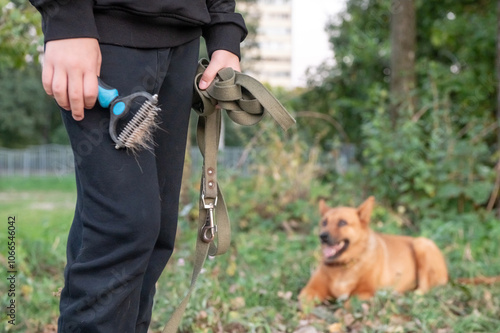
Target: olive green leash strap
pixel 246 101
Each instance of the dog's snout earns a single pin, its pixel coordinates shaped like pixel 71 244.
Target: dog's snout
pixel 324 236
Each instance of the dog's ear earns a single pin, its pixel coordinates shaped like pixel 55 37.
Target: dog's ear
pixel 365 210
pixel 323 208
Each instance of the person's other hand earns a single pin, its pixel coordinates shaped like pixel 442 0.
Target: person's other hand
pixel 220 59
pixel 70 71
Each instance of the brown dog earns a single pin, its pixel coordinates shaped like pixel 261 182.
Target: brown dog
pixel 358 261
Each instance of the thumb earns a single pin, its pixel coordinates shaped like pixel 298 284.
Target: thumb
pixel 208 76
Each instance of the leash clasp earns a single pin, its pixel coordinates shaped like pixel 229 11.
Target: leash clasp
pixel 210 228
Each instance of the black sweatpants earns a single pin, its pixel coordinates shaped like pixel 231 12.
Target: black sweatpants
pixel 125 220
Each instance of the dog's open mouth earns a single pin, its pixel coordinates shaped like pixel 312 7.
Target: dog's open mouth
pixel 332 252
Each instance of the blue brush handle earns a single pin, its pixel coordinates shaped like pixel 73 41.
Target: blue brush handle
pixel 106 94
pixel 119 106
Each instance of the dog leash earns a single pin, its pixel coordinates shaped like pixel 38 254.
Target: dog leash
pixel 246 101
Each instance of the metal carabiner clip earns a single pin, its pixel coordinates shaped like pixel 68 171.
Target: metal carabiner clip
pixel 209 229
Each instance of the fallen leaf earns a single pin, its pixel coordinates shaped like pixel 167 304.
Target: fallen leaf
pixel 335 328
pixel 237 303
pixel 50 328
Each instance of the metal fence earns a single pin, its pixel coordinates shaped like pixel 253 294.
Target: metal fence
pixel 37 160
pixel 58 160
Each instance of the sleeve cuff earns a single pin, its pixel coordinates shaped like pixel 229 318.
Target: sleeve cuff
pixel 69 19
pixel 224 37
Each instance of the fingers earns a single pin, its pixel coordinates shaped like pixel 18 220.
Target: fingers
pixel 70 73
pixel 47 76
pixel 220 59
pixel 59 87
pixel 75 95
pixel 68 89
pixel 90 91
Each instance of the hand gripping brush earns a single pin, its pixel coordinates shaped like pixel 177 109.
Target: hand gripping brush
pixel 137 134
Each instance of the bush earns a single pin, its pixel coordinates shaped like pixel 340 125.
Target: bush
pixel 426 165
pixel 282 186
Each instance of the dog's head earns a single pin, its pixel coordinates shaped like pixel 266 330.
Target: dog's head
pixel 344 231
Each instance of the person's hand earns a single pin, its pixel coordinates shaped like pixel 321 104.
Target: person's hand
pixel 220 59
pixel 70 71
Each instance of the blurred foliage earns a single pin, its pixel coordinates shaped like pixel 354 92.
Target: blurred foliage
pixel 249 11
pixel 456 47
pixel 439 160
pixel 254 287
pixel 20 33
pixel 427 166
pixel 284 185
pixel 27 115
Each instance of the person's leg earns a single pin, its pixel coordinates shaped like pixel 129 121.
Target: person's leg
pixel 175 99
pixel 118 212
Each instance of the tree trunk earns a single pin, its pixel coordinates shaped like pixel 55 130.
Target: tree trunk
pixel 403 44
pixel 498 97
pixel 495 197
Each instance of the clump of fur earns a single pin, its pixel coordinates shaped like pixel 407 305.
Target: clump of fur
pixel 138 133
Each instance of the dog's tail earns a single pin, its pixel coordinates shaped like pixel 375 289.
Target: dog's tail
pixel 487 280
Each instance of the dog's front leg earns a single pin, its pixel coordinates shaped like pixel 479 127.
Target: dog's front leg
pixel 316 291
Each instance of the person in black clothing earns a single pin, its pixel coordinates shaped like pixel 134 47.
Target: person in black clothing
pixel 125 219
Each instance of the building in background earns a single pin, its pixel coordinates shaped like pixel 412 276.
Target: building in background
pixel 286 38
pixel 270 57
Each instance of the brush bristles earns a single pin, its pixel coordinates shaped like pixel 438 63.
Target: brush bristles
pixel 138 134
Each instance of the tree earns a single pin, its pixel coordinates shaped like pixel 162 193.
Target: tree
pixel 495 199
pixel 403 53
pixel 27 115
pixel 248 8
pixel 438 158
pixel 344 89
pixel 456 45
pixel 20 34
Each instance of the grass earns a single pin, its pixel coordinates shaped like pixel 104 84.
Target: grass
pixel 43 208
pixel 254 287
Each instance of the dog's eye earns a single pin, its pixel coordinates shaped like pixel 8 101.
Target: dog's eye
pixel 342 223
pixel 324 222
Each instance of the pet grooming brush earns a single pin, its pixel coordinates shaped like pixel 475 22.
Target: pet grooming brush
pixel 137 134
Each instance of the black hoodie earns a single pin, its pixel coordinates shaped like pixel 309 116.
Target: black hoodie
pixel 144 23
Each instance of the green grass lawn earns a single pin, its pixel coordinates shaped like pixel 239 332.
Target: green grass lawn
pixel 43 209
pixel 254 287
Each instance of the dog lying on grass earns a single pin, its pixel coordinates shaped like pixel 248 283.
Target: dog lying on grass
pixel 358 261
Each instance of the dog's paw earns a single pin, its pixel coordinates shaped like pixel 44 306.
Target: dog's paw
pixel 308 302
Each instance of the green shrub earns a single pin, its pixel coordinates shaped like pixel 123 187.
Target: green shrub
pixel 427 165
